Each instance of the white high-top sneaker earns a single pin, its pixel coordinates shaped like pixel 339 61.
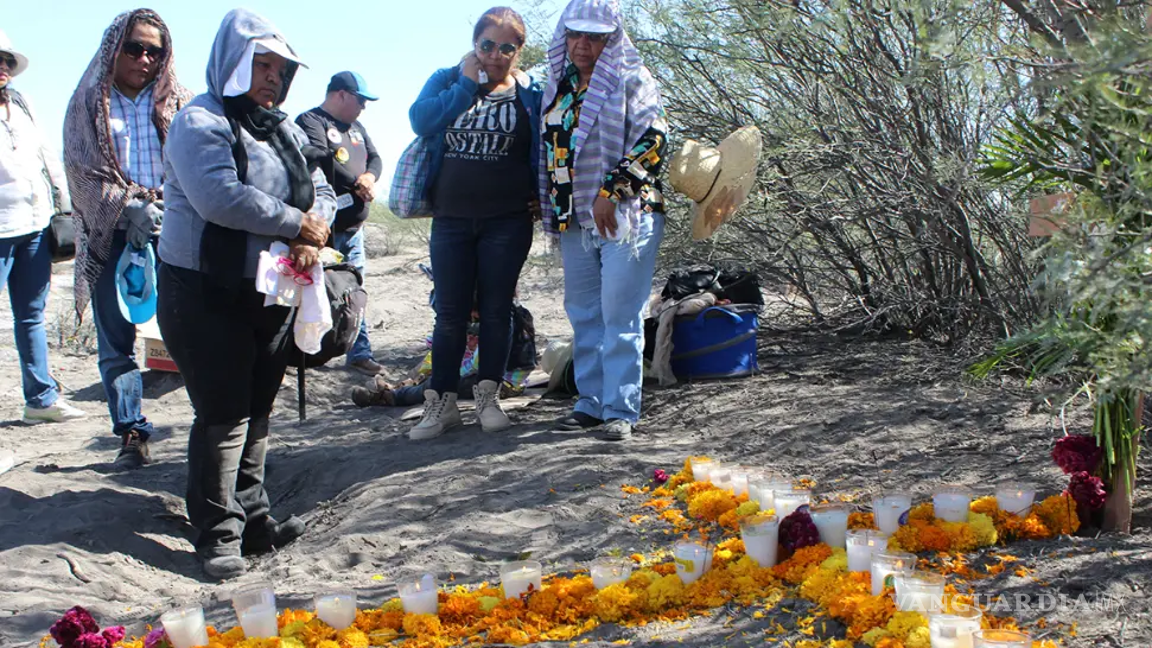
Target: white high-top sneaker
pixel 440 414
pixel 488 411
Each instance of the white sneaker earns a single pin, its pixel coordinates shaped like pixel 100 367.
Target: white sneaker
pixel 57 412
pixel 440 414
pixel 488 410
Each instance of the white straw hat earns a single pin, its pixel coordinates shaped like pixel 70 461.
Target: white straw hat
pixel 717 179
pixel 21 60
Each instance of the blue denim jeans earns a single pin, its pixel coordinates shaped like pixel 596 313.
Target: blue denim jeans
pixel 606 287
pixel 351 245
pixel 26 269
pixel 116 346
pixel 475 260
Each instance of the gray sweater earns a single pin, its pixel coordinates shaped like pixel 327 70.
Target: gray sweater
pixel 201 184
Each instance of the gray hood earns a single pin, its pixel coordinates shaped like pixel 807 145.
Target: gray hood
pixel 238 28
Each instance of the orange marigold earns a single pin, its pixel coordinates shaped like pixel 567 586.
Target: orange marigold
pixel 422 625
pixel 922 511
pixel 801 564
pixel 1058 513
pixel 861 520
pixel 459 608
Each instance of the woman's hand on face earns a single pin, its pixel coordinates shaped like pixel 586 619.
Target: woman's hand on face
pixel 303 254
pixel 314 229
pixel 604 213
pixel 472 66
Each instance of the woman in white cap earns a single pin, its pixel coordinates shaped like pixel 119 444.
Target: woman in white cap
pixel 31 191
pixel 236 182
pixel 603 144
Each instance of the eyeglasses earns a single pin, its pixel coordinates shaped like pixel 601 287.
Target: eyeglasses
pixel 286 267
pixel 136 50
pixel 8 60
pixel 592 37
pixel 360 100
pixel 507 49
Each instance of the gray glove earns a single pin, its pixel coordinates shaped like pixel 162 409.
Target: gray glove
pixel 144 219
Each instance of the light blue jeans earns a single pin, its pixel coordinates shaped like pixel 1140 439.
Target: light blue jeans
pixel 606 287
pixel 26 271
pixel 351 245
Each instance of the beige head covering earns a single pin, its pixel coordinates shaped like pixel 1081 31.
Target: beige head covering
pixel 717 179
pixel 21 60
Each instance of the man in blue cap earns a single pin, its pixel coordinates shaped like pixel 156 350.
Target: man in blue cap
pixel 352 168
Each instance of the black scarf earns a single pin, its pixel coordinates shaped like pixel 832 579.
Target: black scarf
pixel 223 250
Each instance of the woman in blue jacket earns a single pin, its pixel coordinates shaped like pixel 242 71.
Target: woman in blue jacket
pixel 483 119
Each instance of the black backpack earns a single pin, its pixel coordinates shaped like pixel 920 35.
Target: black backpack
pixel 522 354
pixel 348 299
pixel 737 286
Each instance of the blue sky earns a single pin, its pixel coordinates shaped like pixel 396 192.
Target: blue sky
pixel 398 46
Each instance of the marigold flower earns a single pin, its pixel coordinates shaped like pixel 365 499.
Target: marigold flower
pixel 1058 514
pixel 710 504
pixel 861 520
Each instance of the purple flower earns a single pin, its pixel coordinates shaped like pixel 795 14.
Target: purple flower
pixel 1087 490
pixel 798 531
pixel 156 639
pixel 1077 453
pixel 75 622
pixel 659 476
pixel 91 640
pixel 114 634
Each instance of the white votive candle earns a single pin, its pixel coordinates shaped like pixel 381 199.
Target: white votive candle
pixel 740 478
pixel 951 503
pixel 888 508
pixel 419 596
pixel 761 536
pixel 721 476
pixel 256 610
pixel 1015 498
pixel 886 565
pixel 521 577
pixel 185 627
pixel 692 560
pixel 701 468
pixel 862 544
pixel 1001 639
pixel 787 501
pixel 337 609
pixel 609 571
pixel 955 629
pixel 763 489
pixel 920 591
pixel 831 521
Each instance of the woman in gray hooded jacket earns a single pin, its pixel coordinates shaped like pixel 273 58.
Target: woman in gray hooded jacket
pixel 236 182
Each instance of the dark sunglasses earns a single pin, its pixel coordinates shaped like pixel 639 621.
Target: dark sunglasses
pixel 507 49
pixel 137 51
pixel 360 100
pixel 8 60
pixel 592 38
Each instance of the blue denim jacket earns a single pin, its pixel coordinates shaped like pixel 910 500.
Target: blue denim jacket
pixel 449 93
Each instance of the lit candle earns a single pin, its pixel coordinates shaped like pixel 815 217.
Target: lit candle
pixel 951 503
pixel 185 627
pixel 741 475
pixel 788 501
pixel 861 544
pixel 420 596
pixel 919 591
pixel 692 560
pixel 1001 639
pixel 609 571
pixel 955 629
pixel 521 577
pixel 763 489
pixel 337 609
pixel 721 476
pixel 886 565
pixel 761 536
pixel 888 508
pixel 831 521
pixel 256 610
pixel 701 467
pixel 1015 498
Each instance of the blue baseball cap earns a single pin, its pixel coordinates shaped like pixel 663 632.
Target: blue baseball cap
pixel 351 82
pixel 136 284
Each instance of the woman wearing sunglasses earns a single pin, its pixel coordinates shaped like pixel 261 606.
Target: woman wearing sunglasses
pixel 482 118
pixel 603 144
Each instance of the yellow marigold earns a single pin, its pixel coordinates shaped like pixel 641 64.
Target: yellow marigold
pixel 288 617
pixel 709 505
pixel 393 605
pixel 838 561
pixel 986 505
pixel 735 545
pixel 503 634
pixel 873 636
pixel 373 621
pixel 822 586
pixel 902 624
pixel 352 638
pixel 729 520
pixel 922 511
pixel 488 603
pixel 748 508
pixel 801 563
pixel 327 643
pixel 422 625
pixel 316 631
pixel 861 520
pixel 983 529
pixel 907 538
pixel 695 488
pixel 545 602
pixel 663 491
pixel 1058 513
pixel 294 642
pixel 667 592
pixel 614 603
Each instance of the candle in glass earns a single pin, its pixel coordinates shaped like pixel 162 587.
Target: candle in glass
pixel 420 596
pixel 1001 639
pixel 862 545
pixel 951 503
pixel 788 501
pixel 609 571
pixel 256 610
pixel 888 564
pixel 920 591
pixel 761 536
pixel 831 521
pixel 955 629
pixel 763 489
pixel 521 577
pixel 692 560
pixel 185 627
pixel 888 508
pixel 701 467
pixel 1015 498
pixel 721 476
pixel 740 478
pixel 337 609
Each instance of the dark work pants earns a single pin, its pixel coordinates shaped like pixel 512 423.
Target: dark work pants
pixel 230 350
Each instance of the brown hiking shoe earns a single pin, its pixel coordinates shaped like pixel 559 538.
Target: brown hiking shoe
pixel 133 452
pixel 364 397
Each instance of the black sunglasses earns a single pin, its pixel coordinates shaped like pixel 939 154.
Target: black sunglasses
pixel 137 51
pixel 507 49
pixel 8 60
pixel 573 35
pixel 360 100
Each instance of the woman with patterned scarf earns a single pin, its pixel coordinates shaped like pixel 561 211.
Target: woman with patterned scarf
pixel 237 182
pixel 603 143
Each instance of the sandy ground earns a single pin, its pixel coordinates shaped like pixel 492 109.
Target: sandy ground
pixel 855 415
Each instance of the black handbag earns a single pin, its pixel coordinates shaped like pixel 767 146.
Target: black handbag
pixel 61 235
